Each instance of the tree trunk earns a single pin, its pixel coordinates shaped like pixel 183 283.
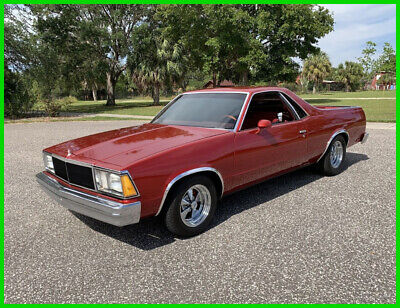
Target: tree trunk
pixel 156 94
pixel 347 87
pixel 214 79
pixel 94 93
pixel 245 78
pixel 111 81
pixel 314 88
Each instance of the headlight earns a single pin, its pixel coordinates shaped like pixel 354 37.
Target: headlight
pixel 115 184
pixel 48 162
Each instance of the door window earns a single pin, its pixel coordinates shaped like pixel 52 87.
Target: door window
pixel 267 106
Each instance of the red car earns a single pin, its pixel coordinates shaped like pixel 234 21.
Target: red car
pixel 203 145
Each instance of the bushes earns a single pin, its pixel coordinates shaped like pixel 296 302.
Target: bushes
pixel 18 96
pixel 52 107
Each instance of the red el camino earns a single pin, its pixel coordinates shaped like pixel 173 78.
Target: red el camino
pixel 201 146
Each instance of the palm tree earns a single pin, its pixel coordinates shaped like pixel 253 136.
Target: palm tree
pixel 316 68
pixel 157 62
pixel 349 74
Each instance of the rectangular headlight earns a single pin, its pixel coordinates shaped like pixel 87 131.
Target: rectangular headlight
pixel 115 184
pixel 48 162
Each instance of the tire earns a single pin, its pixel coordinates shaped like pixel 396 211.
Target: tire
pixel 189 213
pixel 331 163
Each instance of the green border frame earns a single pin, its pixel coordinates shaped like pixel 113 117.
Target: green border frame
pixel 188 2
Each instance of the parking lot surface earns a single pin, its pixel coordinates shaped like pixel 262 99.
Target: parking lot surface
pixel 299 238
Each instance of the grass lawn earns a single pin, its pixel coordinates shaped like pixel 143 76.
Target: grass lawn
pixel 376 110
pixel 361 94
pixel 135 106
pixel 68 119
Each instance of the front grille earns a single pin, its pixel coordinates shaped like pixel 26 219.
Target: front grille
pixel 60 169
pixel 80 175
pixel 74 174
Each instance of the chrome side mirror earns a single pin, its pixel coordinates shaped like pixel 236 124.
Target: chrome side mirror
pixel 280 116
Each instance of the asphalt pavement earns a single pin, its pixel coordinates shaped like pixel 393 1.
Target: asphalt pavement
pixel 299 238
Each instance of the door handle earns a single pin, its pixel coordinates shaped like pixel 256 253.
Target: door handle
pixel 302 131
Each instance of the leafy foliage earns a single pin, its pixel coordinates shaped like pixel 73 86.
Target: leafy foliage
pixel 17 95
pixel 316 68
pixel 350 74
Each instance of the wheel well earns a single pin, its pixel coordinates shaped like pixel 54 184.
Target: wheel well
pixel 345 136
pixel 210 174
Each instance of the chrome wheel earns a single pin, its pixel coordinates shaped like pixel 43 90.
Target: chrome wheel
pixel 336 155
pixel 195 205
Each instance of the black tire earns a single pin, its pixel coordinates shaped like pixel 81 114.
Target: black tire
pixel 325 165
pixel 172 216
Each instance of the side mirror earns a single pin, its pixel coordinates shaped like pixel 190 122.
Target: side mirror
pixel 263 124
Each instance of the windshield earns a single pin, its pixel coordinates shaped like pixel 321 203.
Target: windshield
pixel 213 110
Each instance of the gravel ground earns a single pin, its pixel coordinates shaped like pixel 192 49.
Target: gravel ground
pixel 299 238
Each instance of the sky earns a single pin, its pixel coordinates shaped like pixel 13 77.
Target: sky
pixel 355 24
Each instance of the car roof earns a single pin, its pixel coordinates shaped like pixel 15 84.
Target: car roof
pixel 250 90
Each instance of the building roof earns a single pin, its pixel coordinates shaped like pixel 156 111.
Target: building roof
pixel 224 83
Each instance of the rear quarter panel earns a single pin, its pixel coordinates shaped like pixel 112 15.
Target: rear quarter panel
pixel 326 121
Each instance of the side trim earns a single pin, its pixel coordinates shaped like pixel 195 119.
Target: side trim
pixel 341 131
pixel 186 173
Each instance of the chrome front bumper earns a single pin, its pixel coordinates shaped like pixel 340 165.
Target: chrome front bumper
pixel 364 138
pixel 115 213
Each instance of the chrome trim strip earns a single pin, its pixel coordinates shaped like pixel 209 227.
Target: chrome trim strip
pixel 186 173
pixel 208 92
pixel 340 131
pixel 165 107
pixel 109 211
pixel 288 96
pixel 296 115
pixel 241 112
pixel 83 164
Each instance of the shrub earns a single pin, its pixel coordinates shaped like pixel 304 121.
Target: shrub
pixel 18 98
pixel 53 106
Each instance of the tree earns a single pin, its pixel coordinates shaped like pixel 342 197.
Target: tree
pixel 350 74
pixel 156 62
pixel 387 60
pixel 99 32
pixel 316 68
pixel 367 60
pixel 288 31
pixel 246 42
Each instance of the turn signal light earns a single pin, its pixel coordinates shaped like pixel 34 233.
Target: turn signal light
pixel 127 187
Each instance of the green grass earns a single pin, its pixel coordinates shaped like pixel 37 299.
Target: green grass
pixel 360 94
pixel 375 110
pixel 137 106
pixel 68 119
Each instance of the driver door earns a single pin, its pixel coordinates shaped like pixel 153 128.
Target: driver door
pixel 263 153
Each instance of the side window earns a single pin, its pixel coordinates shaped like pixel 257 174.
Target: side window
pixel 267 106
pixel 296 107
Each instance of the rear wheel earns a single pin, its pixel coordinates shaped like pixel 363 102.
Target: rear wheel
pixel 332 162
pixel 192 206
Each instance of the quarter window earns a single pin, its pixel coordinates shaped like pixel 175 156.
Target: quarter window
pixel 301 113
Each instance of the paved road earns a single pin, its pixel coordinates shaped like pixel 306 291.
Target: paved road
pixel 299 238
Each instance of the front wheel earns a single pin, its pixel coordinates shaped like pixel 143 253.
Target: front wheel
pixel 192 206
pixel 333 161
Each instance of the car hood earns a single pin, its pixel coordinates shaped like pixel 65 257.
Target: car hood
pixel 122 147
